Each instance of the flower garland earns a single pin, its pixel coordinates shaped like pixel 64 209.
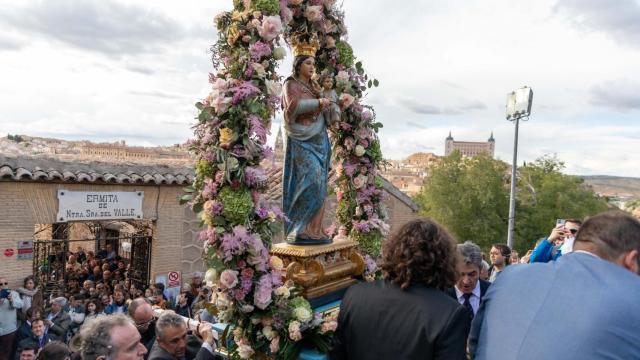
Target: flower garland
pixel 267 316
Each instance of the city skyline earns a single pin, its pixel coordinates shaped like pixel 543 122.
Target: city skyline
pixel 132 71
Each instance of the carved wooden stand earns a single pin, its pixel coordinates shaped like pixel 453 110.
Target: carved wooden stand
pixel 321 269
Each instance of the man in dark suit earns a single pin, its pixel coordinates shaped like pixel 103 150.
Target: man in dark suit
pixel 172 338
pixel 38 337
pixel 469 288
pixel 582 306
pixel 57 320
pixel 406 316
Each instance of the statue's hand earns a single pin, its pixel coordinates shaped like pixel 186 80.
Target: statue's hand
pixel 324 103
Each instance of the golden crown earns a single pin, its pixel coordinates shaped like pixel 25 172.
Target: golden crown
pixel 305 44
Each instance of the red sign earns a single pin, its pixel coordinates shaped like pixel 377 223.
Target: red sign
pixel 8 252
pixel 174 279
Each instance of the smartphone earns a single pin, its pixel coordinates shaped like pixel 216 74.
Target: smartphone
pixel 560 222
pixel 4 294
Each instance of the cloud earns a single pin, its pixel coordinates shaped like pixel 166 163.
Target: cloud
pixel 159 94
pixel 462 107
pixel 8 43
pixel 104 26
pixel 619 19
pixel 620 95
pixel 145 70
pixel 416 125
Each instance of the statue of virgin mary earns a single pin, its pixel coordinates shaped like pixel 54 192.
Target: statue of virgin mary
pixel 308 150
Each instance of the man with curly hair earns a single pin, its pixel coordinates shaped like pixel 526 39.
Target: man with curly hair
pixel 407 315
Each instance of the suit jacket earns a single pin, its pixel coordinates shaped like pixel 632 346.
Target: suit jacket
pixel 378 320
pixel 61 323
pixel 484 286
pixel 578 307
pixel 158 353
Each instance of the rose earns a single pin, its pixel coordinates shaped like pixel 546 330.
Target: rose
pixel 349 143
pixel 259 69
pixel 245 351
pixel 220 102
pixel 346 100
pixel 294 331
pixel 279 53
pixel 287 15
pixel 342 76
pixel 270 28
pixel 360 181
pixel 328 326
pixel 274 346
pixel 313 13
pixel 283 291
pixel 274 88
pixel 303 314
pixel 276 263
pixel 359 151
pixel 269 333
pixel 229 279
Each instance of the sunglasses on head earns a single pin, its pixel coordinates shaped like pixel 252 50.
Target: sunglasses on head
pixel 573 231
pixel 4 283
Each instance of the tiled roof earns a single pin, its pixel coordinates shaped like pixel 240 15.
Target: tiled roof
pixel 52 170
pixel 46 169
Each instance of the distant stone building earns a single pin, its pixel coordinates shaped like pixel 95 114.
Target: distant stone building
pixel 469 148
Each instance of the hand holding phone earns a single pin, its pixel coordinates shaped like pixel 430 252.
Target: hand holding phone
pixel 5 293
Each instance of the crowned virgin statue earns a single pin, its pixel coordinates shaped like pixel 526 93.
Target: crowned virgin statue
pixel 308 150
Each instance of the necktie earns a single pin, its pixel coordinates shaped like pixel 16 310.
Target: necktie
pixel 467 305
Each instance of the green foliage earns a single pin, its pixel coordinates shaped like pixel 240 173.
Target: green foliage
pixel 345 54
pixel 544 195
pixel 471 197
pixel 370 243
pixel 238 204
pixel 271 7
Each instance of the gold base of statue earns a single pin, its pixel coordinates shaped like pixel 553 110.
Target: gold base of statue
pixel 321 269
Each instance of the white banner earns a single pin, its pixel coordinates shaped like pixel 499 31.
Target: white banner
pixel 98 205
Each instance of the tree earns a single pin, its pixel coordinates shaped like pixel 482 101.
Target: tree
pixel 546 194
pixel 469 196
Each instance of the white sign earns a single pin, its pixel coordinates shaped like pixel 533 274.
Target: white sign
pixel 174 279
pixel 97 205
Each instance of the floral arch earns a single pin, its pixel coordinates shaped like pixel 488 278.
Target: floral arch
pixel 230 143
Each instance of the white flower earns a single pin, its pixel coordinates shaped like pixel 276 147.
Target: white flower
pixel 245 351
pixel 303 314
pixel 259 69
pixel 274 88
pixel 269 333
pixel 359 150
pixel 247 308
pixel 283 291
pixel 276 263
pixel 313 13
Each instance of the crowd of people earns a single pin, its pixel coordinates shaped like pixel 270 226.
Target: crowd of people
pixel 94 288
pixel 571 297
pixel 436 300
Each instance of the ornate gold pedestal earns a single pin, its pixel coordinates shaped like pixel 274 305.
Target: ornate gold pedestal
pixel 321 269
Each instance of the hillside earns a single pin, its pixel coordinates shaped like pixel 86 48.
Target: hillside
pixel 624 188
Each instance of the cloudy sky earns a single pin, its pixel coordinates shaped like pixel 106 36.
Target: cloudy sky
pixel 109 70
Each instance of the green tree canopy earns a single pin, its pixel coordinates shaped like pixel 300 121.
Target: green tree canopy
pixel 471 197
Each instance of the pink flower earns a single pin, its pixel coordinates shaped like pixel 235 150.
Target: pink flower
pixel 286 14
pixel 262 294
pixel 220 102
pixel 359 181
pixel 342 76
pixel 274 346
pixel 294 331
pixel 346 100
pixel 229 279
pixel 349 143
pixel 247 273
pixel 366 115
pixel 270 28
pixel 313 13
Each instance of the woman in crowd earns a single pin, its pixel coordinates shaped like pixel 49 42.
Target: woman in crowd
pixel 30 295
pixel 93 311
pixel 413 317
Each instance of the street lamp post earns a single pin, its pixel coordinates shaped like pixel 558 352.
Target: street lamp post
pixel 518 107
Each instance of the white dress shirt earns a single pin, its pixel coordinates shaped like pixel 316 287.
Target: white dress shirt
pixel 474 299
